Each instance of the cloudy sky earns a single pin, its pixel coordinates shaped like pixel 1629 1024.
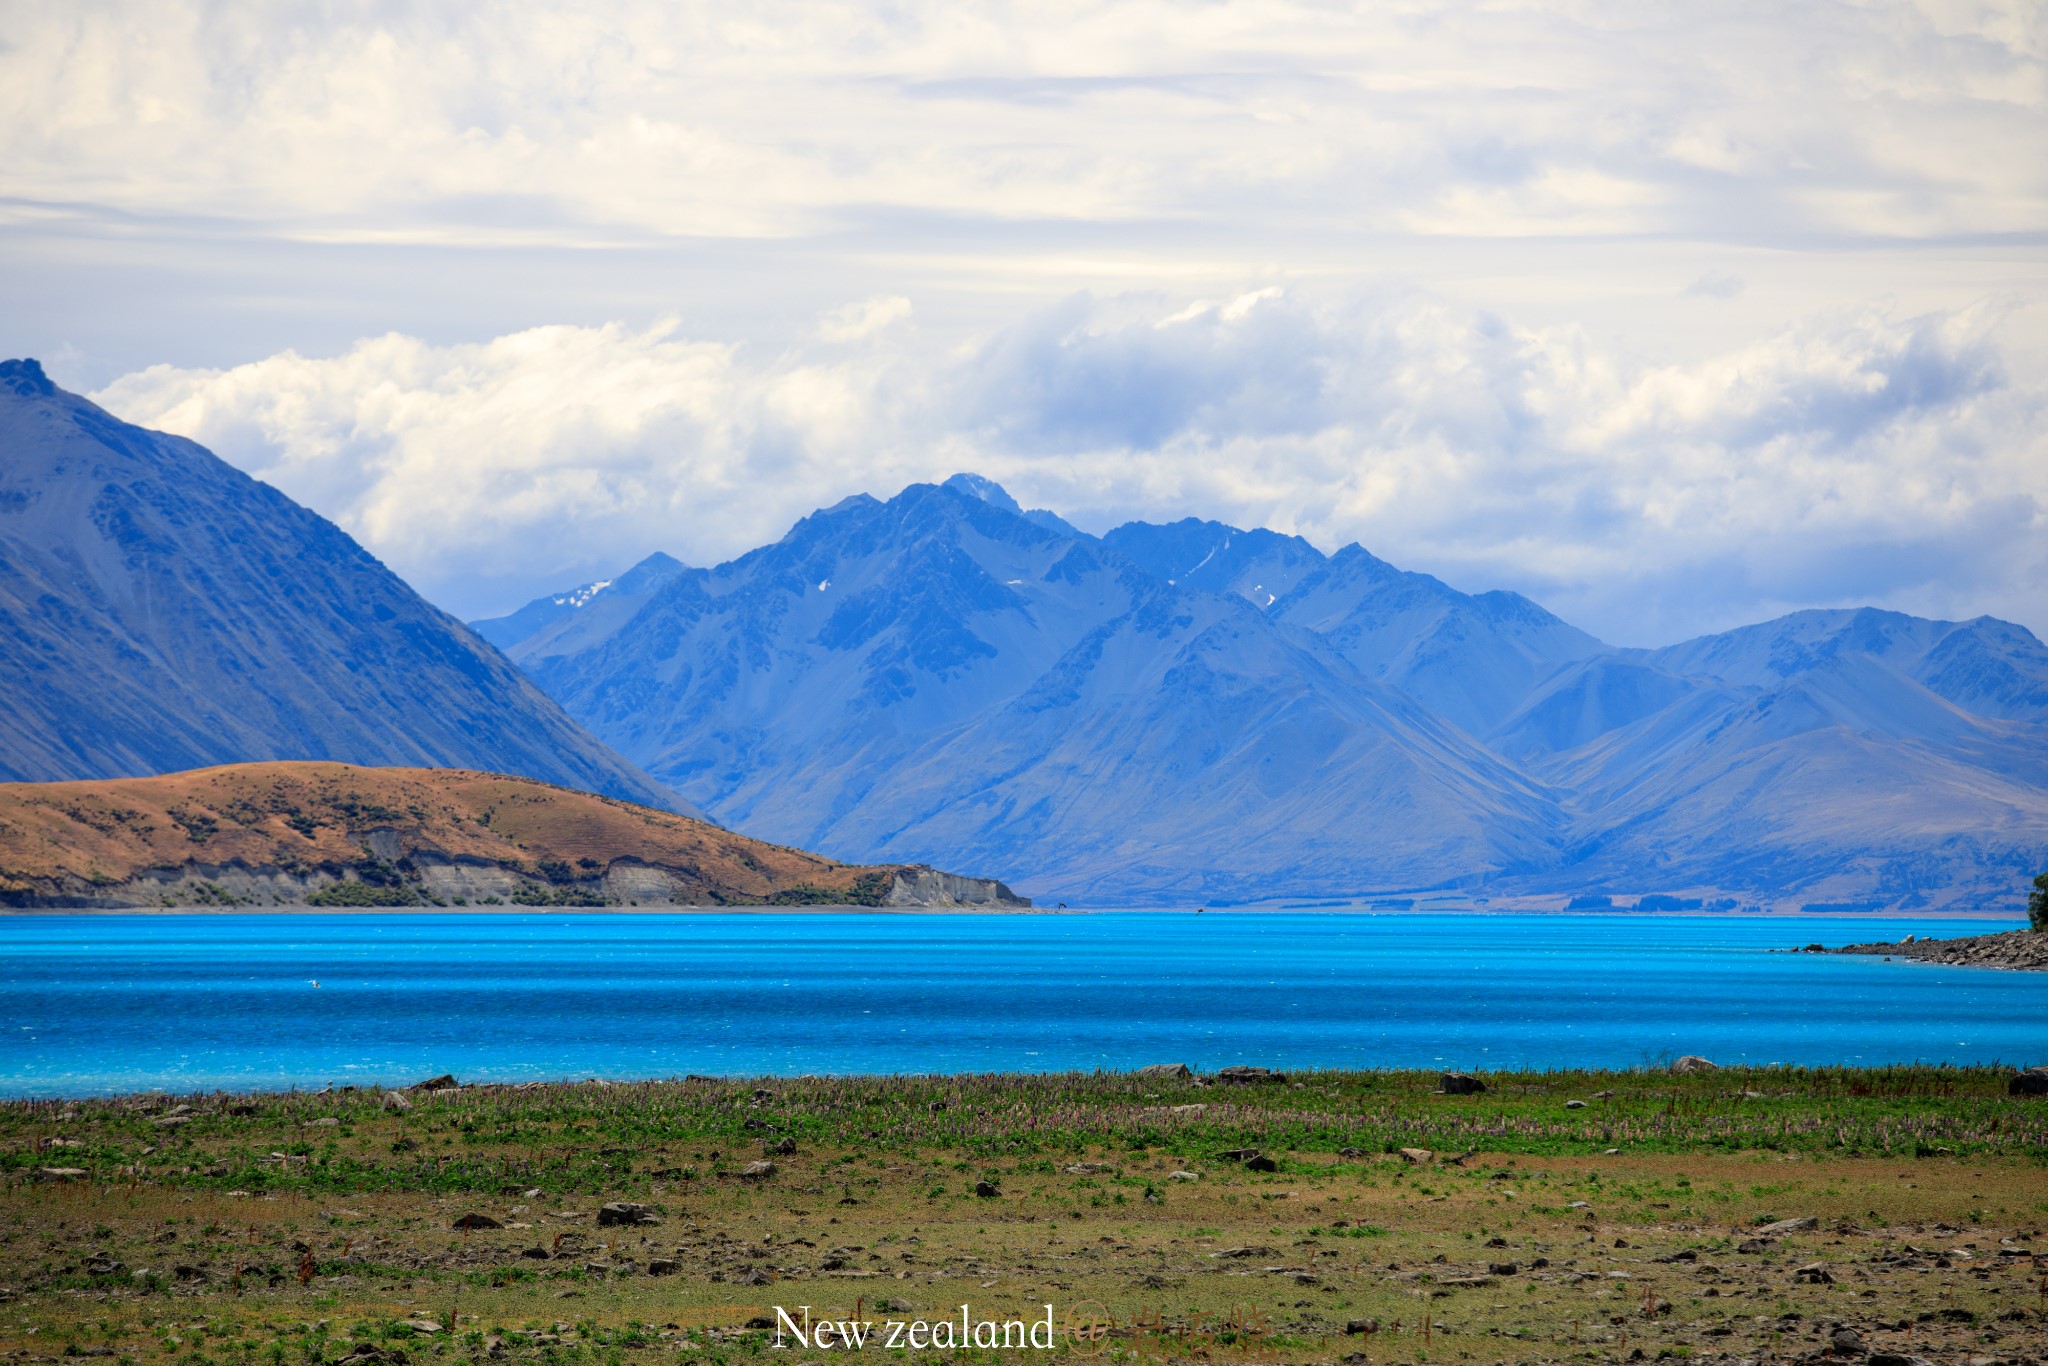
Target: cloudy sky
pixel 1672 316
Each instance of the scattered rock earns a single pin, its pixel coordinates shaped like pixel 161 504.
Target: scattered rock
pixel 445 1082
pixel 189 1273
pixel 1248 1076
pixel 1085 1168
pixel 59 1173
pixel 171 1121
pixel 1238 1154
pixel 758 1171
pixel 2032 1082
pixel 1785 1226
pixel 786 1148
pixel 424 1326
pixel 1259 1162
pixel 396 1101
pixel 1357 1326
pixel 663 1266
pixel 1183 1176
pixel 477 1221
pixel 1846 1344
pixel 1504 1268
pixel 622 1213
pixel 1814 1273
pixel 986 1190
pixel 326 1122
pixel 1692 1062
pixel 1460 1084
pixel 1575 1105
pixel 1416 1156
pixel 1177 1071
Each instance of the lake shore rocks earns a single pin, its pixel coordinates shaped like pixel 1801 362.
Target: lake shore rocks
pixel 2017 950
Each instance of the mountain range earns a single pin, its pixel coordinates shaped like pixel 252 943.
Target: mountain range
pixel 161 610
pixel 1194 711
pixel 1159 714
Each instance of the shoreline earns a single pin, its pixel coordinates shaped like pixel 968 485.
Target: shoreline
pixel 2020 950
pixel 1623 912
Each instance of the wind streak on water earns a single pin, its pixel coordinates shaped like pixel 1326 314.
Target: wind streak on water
pixel 99 1004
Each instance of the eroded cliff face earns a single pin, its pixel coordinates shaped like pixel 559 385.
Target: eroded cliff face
pixel 375 882
pixel 932 888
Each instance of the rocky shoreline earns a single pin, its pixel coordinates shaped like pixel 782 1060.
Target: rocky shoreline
pixel 2019 950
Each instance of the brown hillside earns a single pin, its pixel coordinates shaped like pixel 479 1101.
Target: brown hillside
pixel 322 823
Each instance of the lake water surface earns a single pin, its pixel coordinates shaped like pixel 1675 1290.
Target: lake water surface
pixel 98 1004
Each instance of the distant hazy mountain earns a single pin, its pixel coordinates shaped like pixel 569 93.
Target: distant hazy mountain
pixel 1867 757
pixel 938 672
pixel 160 610
pixel 1196 711
pixel 562 623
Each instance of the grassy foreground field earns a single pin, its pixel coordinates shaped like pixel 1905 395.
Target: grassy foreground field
pixel 1774 1215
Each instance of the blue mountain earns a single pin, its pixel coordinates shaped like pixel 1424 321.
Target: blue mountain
pixel 1197 711
pixel 940 672
pixel 160 610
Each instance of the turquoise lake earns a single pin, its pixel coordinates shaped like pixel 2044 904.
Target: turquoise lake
pixel 98 1004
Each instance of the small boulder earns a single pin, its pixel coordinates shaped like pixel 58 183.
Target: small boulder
pixel 1183 1176
pixel 986 1190
pixel 1575 1105
pixel 1692 1062
pixel 1846 1343
pixel 758 1171
pixel 1174 1071
pixel 1503 1268
pixel 2032 1082
pixel 1416 1156
pixel 324 1122
pixel 663 1266
pixel 445 1082
pixel 396 1101
pixel 1787 1226
pixel 1249 1076
pixel 59 1173
pixel 1367 1327
pixel 785 1148
pixel 1814 1273
pixel 1460 1084
pixel 477 1221
pixel 1259 1162
pixel 624 1213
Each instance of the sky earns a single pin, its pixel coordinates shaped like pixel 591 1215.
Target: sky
pixel 1672 316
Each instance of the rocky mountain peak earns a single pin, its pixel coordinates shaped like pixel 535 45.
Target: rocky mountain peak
pixel 25 379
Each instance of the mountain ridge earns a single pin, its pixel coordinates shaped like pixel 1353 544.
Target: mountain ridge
pixel 1591 766
pixel 161 610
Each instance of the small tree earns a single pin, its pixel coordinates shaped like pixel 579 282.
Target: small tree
pixel 2037 904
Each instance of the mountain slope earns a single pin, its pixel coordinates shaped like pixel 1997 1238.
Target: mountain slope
pixel 1472 658
pixel 160 610
pixel 257 834
pixel 1258 566
pixel 562 623
pixel 940 673
pixel 1807 757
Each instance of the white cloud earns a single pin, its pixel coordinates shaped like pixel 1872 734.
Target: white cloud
pixel 1858 456
pixel 635 119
